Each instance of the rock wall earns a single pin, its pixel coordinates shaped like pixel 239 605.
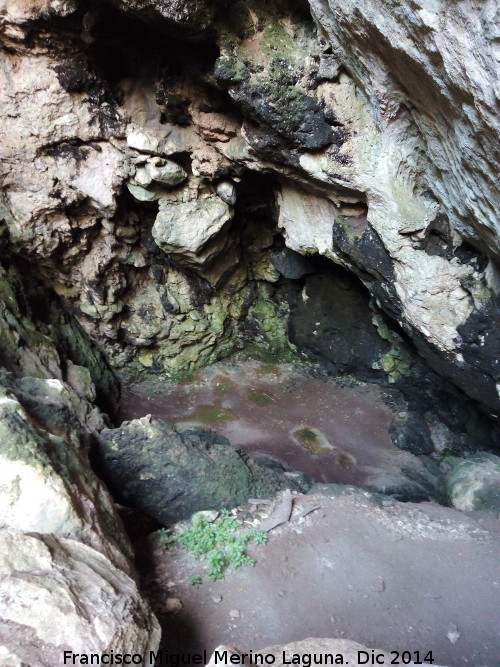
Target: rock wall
pixel 66 572
pixel 130 168
pixel 158 164
pixel 429 75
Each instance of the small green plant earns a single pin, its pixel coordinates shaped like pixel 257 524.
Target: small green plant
pixel 212 415
pixel 195 580
pixel 220 543
pixel 166 539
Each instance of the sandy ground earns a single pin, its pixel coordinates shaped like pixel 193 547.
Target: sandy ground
pixel 402 577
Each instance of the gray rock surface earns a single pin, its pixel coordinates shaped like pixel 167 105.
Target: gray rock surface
pixel 184 229
pixel 292 265
pixel 44 465
pixel 171 475
pixel 382 144
pixel 409 431
pixel 439 64
pixel 194 15
pixel 57 595
pixel 474 483
pixel 66 576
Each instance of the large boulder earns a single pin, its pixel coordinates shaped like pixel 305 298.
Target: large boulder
pixel 58 595
pixel 171 475
pixel 195 234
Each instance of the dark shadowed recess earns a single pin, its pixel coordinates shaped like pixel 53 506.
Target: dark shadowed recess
pixel 332 320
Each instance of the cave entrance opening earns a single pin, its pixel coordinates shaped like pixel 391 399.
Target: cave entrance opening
pixel 318 381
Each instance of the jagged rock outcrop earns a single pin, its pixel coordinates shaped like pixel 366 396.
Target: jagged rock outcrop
pixel 432 72
pixel 380 148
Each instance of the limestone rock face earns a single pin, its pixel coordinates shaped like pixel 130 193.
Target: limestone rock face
pixel 66 571
pixel 38 339
pixel 384 197
pixel 192 233
pixel 57 595
pixel 440 66
pixel 48 420
pixel 425 161
pixel 131 187
pixel 190 225
pixel 48 487
pixel 16 14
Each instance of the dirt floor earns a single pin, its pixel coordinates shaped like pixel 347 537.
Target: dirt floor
pixel 390 575
pixel 398 577
pixel 330 432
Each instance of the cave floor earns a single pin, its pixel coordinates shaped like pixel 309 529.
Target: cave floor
pixel 332 431
pixel 396 576
pixel 390 575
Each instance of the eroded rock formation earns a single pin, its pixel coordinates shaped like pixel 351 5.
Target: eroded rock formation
pixel 186 472
pixel 66 571
pixel 128 162
pixel 161 163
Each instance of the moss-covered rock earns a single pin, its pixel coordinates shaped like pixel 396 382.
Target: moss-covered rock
pixel 39 339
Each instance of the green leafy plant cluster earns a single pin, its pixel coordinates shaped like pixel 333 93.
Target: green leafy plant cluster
pixel 220 543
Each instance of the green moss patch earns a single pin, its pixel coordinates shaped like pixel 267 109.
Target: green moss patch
pixel 214 414
pixel 268 369
pixel 312 440
pixel 345 461
pixel 261 398
pixel 222 384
